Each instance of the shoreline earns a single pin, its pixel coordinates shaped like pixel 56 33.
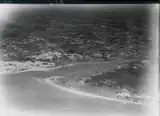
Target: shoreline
pixel 27 70
pixel 71 90
pixel 18 65
pixel 33 69
pixel 85 94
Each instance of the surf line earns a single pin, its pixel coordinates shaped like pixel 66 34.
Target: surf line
pixel 82 93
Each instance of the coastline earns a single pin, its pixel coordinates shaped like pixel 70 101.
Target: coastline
pixel 20 70
pixel 67 89
pixel 18 66
pixel 85 94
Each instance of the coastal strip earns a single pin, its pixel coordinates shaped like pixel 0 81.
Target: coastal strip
pixel 82 93
pixel 20 69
